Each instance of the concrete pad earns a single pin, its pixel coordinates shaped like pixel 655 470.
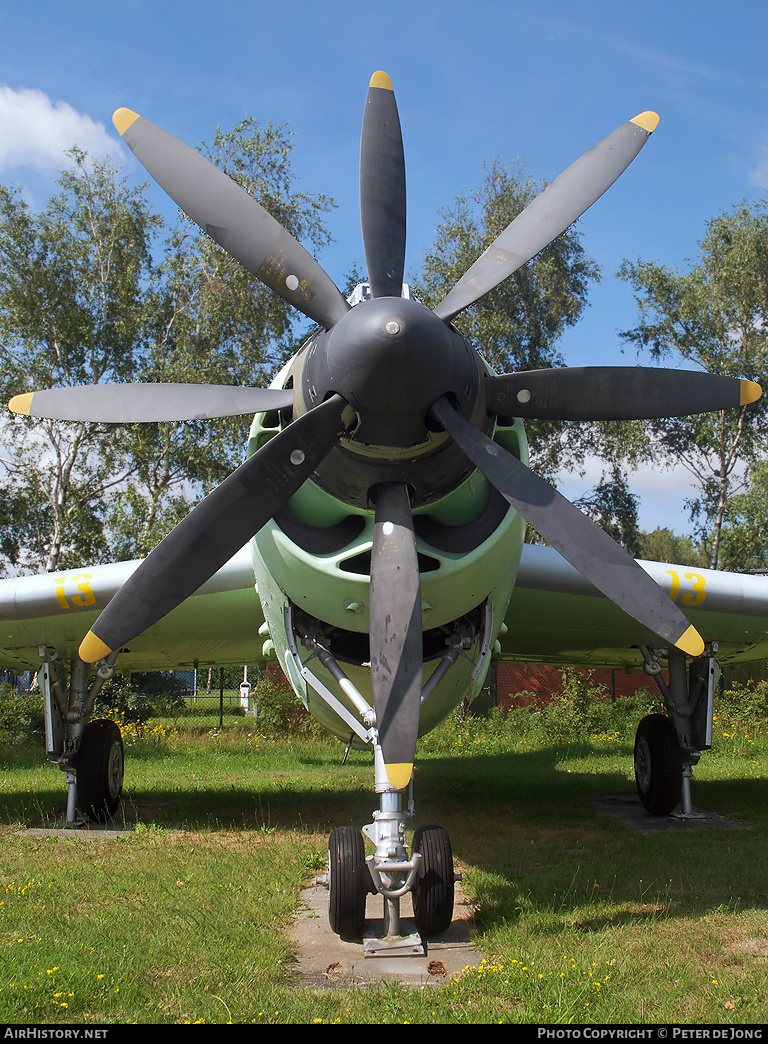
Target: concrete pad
pixel 628 808
pixel 323 960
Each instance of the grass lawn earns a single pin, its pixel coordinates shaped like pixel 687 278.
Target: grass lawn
pixel 581 919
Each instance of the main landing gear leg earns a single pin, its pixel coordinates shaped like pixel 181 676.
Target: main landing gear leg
pixel 89 752
pixel 668 746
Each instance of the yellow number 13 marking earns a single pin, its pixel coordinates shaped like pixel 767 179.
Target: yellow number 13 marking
pixel 84 596
pixel 696 595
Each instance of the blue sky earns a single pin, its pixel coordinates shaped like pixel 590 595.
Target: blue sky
pixel 539 83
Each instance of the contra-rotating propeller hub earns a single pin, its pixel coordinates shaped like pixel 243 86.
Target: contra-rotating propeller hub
pixel 391 358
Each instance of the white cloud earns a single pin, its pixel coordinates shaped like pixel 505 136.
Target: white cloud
pixel 662 492
pixel 36 132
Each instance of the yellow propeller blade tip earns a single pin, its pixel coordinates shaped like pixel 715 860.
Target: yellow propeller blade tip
pixel 92 649
pixel 21 403
pixel 750 392
pixel 399 775
pixel 647 120
pixel 691 642
pixel 380 79
pixel 123 118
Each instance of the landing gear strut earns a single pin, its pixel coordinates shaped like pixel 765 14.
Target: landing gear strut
pixel 390 872
pixel 427 874
pixel 668 746
pixel 89 752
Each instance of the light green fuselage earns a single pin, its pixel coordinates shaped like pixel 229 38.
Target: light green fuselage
pixel 333 587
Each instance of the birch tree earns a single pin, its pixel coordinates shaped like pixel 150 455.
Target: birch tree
pixel 73 310
pixel 214 323
pixel 711 317
pixel 518 324
pixel 96 288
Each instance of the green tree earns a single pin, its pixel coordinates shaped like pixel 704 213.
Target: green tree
pixel 517 325
pixel 95 288
pixel 714 317
pixel 662 545
pixel 613 506
pixel 744 539
pixel 72 311
pixel 215 323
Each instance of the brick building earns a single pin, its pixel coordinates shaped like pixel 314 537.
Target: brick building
pixel 514 679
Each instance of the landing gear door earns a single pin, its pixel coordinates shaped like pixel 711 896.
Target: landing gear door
pixel 54 720
pixel 705 675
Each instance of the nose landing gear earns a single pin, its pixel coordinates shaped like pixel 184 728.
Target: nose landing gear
pixel 427 875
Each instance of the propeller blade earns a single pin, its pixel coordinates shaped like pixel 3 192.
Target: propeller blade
pixel 216 529
pixel 395 631
pixel 597 393
pixel 382 189
pixel 233 219
pixel 579 540
pixel 550 213
pixel 139 403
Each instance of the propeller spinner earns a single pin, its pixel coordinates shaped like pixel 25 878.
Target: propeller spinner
pixel 393 374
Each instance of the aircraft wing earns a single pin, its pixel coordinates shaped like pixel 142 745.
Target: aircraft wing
pixel 557 617
pixel 218 625
pixel 554 616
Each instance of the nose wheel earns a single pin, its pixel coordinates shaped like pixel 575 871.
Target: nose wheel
pixel 433 888
pixel 348 879
pixel 428 875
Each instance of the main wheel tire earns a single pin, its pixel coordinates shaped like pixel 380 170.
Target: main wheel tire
pixel 658 765
pixel 100 768
pixel 348 874
pixel 433 890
